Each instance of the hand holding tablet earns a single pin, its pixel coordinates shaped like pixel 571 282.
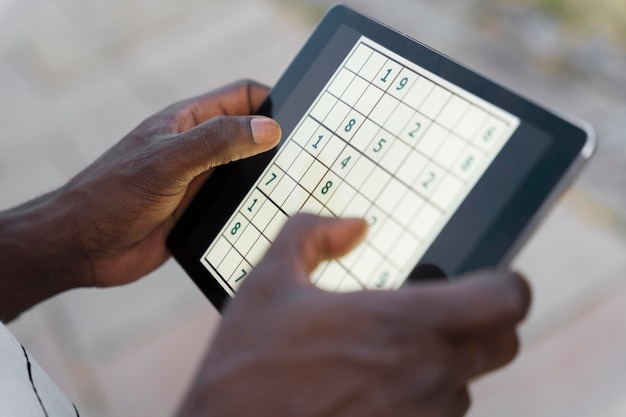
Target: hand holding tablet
pixel 449 169
pixel 285 348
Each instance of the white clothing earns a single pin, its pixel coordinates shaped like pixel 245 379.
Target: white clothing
pixel 25 389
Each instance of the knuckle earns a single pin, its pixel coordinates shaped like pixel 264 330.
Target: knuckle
pixel 500 350
pixel 461 402
pixel 151 166
pixel 441 376
pixel 248 83
pixel 178 117
pixel 510 346
pixel 221 127
pixel 155 126
pixel 219 140
pixel 514 308
pixel 434 379
pixel 517 300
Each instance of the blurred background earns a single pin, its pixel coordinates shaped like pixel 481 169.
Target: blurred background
pixel 76 75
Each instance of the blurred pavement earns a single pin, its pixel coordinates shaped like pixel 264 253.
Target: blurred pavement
pixel 75 76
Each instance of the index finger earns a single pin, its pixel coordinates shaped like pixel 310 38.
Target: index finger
pixel 307 240
pixel 238 99
pixel 482 301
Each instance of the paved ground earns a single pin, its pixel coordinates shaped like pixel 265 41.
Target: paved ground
pixel 75 76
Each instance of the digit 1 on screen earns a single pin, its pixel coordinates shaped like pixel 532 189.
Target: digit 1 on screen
pixel 317 143
pixel 252 205
pixel 384 79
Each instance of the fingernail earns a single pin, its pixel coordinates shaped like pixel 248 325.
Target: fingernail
pixel 265 131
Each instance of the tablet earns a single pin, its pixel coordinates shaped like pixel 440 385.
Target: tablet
pixel 450 170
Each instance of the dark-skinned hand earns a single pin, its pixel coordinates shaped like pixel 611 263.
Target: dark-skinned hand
pixel 108 225
pixel 288 349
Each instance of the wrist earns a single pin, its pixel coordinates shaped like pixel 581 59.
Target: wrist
pixel 40 255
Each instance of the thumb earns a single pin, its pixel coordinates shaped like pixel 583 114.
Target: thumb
pixel 225 139
pixel 307 240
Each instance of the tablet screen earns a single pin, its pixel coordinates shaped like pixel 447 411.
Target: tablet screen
pixel 385 140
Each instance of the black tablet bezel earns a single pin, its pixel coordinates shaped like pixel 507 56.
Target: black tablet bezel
pixel 569 144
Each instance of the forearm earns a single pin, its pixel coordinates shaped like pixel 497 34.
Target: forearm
pixel 39 254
